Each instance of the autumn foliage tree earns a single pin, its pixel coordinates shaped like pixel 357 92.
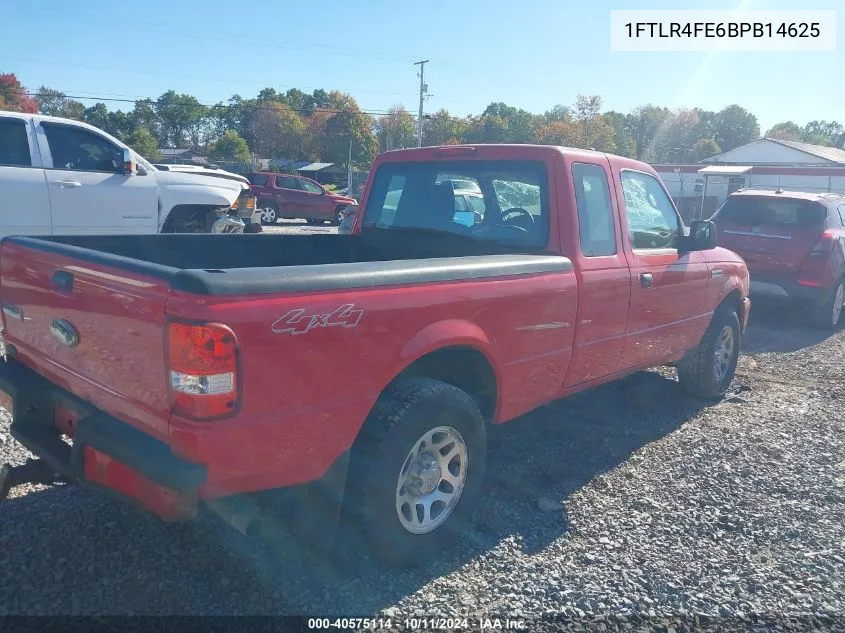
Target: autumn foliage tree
pixel 14 97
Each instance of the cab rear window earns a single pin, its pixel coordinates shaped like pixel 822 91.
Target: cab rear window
pixel 751 211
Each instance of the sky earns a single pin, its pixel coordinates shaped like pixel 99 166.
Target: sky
pixel 531 54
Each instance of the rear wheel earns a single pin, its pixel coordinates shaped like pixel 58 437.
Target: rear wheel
pixel 828 314
pixel 707 371
pixel 417 470
pixel 269 212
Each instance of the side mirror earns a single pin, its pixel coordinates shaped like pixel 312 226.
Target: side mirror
pixel 702 235
pixel 128 163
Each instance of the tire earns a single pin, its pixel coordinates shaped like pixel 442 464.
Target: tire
pixel 700 373
pixel 385 481
pixel 828 314
pixel 269 213
pixel 337 217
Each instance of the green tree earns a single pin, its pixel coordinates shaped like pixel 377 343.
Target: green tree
pixel 786 131
pixel 183 120
pixel 144 143
pixel 396 130
pixel 441 128
pixel 586 112
pixel 278 131
pixel 622 138
pixel 231 147
pixel 705 148
pixel 349 125
pixel 647 126
pixel 54 103
pixel 501 123
pixel 735 126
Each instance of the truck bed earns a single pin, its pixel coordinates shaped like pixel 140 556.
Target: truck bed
pixel 258 264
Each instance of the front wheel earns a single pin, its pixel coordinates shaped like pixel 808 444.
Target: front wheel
pixel 708 370
pixel 269 213
pixel 417 470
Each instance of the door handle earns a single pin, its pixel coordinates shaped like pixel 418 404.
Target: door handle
pixel 68 184
pixel 646 280
pixel 63 281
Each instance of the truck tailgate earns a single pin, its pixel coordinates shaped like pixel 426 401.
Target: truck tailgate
pixel 93 330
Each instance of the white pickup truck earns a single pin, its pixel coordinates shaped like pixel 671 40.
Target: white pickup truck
pixel 64 177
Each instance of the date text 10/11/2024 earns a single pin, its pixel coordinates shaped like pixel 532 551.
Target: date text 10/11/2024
pixel 423 624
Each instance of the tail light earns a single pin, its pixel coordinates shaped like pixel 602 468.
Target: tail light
pixel 203 370
pixel 824 245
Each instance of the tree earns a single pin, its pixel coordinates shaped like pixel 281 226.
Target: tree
pixel 558 113
pixel 586 112
pixel 786 131
pixel 14 97
pixel 705 148
pixel 230 147
pixel 622 138
pixel 735 126
pixel 182 118
pixel 278 131
pixel 54 103
pixel 565 133
pixel 825 133
pixel 396 130
pixel 646 125
pixel 144 143
pixel 349 125
pixel 441 128
pixel 501 123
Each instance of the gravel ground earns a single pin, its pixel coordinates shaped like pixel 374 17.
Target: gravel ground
pixel 625 501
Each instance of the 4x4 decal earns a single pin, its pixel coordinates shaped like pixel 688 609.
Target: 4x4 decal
pixel 298 322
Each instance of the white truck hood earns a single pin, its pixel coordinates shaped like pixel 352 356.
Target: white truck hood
pixel 204 171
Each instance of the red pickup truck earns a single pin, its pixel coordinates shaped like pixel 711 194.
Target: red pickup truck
pixel 173 370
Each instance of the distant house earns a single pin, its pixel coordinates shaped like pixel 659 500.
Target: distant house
pixel 171 155
pixel 767 163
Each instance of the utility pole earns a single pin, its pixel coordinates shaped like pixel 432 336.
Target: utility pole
pixel 423 91
pixel 349 169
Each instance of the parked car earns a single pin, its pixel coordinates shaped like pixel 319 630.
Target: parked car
pixel 793 244
pixel 289 196
pixel 60 176
pixel 398 346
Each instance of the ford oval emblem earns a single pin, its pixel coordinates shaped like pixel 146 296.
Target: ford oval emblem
pixel 64 333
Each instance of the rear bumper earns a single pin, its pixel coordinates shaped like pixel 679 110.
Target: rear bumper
pixel 785 288
pixel 105 453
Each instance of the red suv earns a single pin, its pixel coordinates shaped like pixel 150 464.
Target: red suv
pixel 289 196
pixel 793 244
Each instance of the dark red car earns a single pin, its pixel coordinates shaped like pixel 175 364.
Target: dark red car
pixel 793 244
pixel 289 196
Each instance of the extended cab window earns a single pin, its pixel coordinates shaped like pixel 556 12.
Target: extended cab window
pixel 80 150
pixel 652 220
pixel 310 187
pixel 14 145
pixel 443 196
pixel 287 182
pixel 595 215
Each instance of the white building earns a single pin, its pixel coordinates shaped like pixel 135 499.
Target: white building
pixel 765 164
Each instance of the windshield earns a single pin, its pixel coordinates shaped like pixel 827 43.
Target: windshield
pixel 429 195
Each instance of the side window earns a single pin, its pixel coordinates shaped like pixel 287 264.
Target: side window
pixel 80 150
pixel 310 187
pixel 258 179
pixel 14 145
pixel 652 220
pixel 595 213
pixel 287 182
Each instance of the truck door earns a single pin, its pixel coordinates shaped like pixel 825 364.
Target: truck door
pixel 23 190
pixel 605 289
pixel 668 289
pixel 88 191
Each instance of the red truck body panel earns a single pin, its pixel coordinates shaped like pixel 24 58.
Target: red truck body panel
pixel 305 392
